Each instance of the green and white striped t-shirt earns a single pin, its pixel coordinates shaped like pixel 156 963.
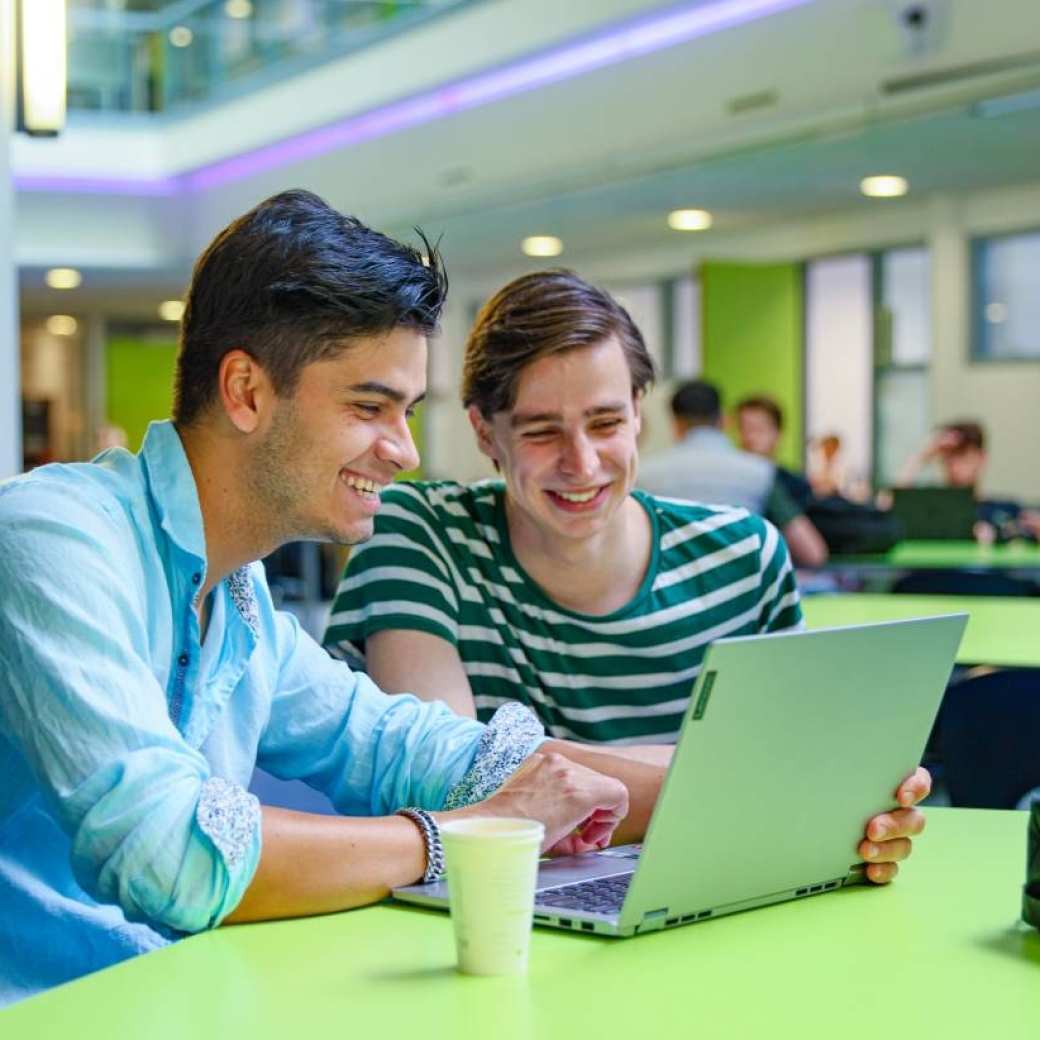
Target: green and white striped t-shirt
pixel 440 561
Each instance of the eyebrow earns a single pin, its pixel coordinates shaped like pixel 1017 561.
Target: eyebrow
pixel 383 390
pixel 530 418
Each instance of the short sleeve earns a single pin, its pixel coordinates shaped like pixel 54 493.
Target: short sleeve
pixel 404 577
pixel 780 508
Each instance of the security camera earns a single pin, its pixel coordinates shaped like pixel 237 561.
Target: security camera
pixel 920 24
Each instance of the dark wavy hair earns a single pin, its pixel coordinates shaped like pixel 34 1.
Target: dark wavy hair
pixel 292 282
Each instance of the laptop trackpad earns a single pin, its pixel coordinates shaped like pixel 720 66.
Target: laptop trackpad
pixel 568 870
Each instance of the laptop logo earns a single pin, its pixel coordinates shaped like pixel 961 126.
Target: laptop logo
pixel 702 701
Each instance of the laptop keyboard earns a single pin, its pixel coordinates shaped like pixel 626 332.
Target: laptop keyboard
pixel 599 896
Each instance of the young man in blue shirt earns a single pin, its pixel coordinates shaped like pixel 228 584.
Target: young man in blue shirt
pixel 144 671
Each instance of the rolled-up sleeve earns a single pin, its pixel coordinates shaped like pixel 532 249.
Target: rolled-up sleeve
pixel 150 829
pixel 371 753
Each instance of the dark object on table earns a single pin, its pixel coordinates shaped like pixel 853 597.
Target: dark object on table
pixel 936 513
pixel 848 527
pixel 989 730
pixel 1031 889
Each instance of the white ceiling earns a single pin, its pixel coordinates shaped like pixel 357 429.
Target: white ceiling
pixel 600 159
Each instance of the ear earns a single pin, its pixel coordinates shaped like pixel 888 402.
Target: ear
pixel 637 413
pixel 485 435
pixel 245 390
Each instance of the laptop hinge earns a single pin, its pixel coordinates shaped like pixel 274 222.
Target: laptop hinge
pixel 652 920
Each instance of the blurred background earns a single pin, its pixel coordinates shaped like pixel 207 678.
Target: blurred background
pixel 708 161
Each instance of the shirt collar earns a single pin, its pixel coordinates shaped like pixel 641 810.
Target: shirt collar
pixel 172 486
pixel 708 435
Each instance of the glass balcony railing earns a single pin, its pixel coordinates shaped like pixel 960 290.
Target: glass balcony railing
pixel 160 56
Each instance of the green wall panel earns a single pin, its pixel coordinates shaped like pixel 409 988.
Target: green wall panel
pixel 139 385
pixel 752 336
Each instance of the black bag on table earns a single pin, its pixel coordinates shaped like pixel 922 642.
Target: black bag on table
pixel 850 528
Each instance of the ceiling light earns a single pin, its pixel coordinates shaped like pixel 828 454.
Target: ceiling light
pixel 996 313
pixel 41 64
pixel 63 278
pixel 238 8
pixel 171 310
pixel 689 219
pixel 542 245
pixel 181 36
pixel 62 325
pixel 884 186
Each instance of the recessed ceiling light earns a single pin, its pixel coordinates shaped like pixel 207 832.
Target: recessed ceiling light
pixel 181 36
pixel 542 245
pixel 238 8
pixel 689 219
pixel 884 186
pixel 996 313
pixel 171 310
pixel 62 325
pixel 63 278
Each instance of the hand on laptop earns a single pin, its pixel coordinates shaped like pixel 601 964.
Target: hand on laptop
pixel 579 807
pixel 888 834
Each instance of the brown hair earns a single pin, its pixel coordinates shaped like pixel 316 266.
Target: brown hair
pixel 764 404
pixel 969 435
pixel 548 312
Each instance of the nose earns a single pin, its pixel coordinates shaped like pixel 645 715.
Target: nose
pixel 397 446
pixel 579 457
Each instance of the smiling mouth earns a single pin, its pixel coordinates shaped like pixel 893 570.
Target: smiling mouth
pixel 367 489
pixel 573 500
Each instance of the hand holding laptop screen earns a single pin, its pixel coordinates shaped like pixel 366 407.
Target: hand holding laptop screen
pixel 888 834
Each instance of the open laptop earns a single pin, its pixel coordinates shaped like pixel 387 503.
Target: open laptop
pixel 790 744
pixel 936 513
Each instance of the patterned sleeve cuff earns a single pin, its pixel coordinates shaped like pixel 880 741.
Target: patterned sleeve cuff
pixel 229 816
pixel 511 735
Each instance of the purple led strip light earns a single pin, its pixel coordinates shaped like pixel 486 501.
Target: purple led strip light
pixel 608 48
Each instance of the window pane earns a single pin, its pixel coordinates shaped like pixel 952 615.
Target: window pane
pixel 839 310
pixel 906 296
pixel 903 420
pixel 1007 296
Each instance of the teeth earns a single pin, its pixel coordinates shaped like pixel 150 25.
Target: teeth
pixel 577 496
pixel 370 487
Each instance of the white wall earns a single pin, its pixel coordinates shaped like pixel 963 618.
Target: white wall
pixel 10 399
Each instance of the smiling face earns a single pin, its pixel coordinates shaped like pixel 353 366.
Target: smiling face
pixel 758 431
pixel 339 438
pixel 567 447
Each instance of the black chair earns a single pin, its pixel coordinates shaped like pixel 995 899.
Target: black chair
pixel 963 583
pixel 989 738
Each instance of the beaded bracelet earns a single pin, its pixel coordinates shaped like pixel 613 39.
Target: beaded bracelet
pixel 431 838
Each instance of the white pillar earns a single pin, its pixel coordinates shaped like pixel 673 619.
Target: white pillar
pixel 10 380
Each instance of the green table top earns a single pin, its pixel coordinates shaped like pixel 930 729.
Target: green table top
pixel 1001 630
pixel 938 954
pixel 912 555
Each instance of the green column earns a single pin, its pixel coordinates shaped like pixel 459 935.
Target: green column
pixel 752 339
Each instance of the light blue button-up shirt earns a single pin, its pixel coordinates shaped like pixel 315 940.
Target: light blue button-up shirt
pixel 125 745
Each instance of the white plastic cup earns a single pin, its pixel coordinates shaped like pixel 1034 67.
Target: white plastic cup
pixel 492 864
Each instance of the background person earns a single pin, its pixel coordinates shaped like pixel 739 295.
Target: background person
pixel 760 422
pixel 959 450
pixel 704 466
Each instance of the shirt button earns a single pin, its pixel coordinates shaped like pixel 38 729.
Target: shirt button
pixel 196 578
pixel 183 660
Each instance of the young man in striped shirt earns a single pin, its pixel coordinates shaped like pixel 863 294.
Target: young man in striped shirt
pixel 561 586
